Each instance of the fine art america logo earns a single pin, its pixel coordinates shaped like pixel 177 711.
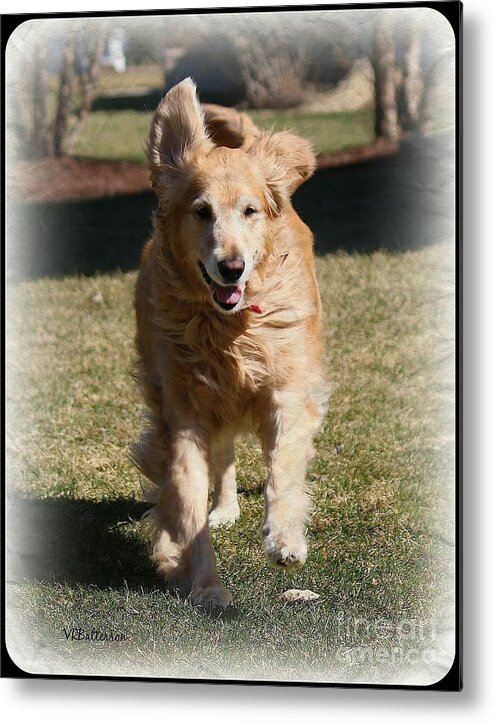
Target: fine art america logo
pixel 94 635
pixel 379 641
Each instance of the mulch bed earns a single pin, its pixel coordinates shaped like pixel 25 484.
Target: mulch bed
pixel 68 178
pixel 378 149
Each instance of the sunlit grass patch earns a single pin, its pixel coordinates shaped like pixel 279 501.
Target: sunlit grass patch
pixel 122 135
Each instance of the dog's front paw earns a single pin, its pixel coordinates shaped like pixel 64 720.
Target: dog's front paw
pixel 212 597
pixel 286 549
pixel 220 516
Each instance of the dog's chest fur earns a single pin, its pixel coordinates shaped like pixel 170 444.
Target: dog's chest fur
pixel 227 364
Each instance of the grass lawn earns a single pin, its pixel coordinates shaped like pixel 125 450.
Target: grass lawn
pixel 329 132
pixel 380 537
pixel 122 135
pixel 119 135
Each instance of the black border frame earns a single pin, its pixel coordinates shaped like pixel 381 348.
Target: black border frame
pixel 452 10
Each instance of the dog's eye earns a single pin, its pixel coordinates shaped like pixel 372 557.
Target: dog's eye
pixel 204 213
pixel 250 211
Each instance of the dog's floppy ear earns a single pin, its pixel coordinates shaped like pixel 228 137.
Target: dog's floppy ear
pixel 229 127
pixel 288 159
pixel 177 130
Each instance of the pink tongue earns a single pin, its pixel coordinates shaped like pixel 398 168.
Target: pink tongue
pixel 227 294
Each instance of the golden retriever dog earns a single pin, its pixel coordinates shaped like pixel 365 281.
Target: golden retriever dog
pixel 228 335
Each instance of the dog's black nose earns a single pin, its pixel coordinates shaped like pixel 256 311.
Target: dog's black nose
pixel 231 269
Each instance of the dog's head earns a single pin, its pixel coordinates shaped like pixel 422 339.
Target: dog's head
pixel 220 204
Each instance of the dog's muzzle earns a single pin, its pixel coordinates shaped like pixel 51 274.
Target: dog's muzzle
pixel 226 297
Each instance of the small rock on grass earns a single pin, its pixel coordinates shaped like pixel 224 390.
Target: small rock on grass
pixel 295 595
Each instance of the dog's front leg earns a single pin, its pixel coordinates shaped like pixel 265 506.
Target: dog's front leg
pixel 225 509
pixel 286 432
pixel 182 508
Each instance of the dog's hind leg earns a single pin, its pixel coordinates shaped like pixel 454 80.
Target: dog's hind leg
pixel 225 509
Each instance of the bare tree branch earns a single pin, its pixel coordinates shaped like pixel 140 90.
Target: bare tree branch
pixel 273 69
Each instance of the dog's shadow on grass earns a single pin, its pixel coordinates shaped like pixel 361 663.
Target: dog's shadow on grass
pixel 79 542
pixel 85 543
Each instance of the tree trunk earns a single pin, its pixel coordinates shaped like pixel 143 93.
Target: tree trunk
pixel 39 141
pixel 412 80
pixel 88 81
pixel 432 85
pixel 64 96
pixel 89 78
pixel 384 64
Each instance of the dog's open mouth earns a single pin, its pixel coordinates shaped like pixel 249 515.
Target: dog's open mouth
pixel 226 297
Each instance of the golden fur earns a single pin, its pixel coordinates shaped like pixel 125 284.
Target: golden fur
pixel 224 191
